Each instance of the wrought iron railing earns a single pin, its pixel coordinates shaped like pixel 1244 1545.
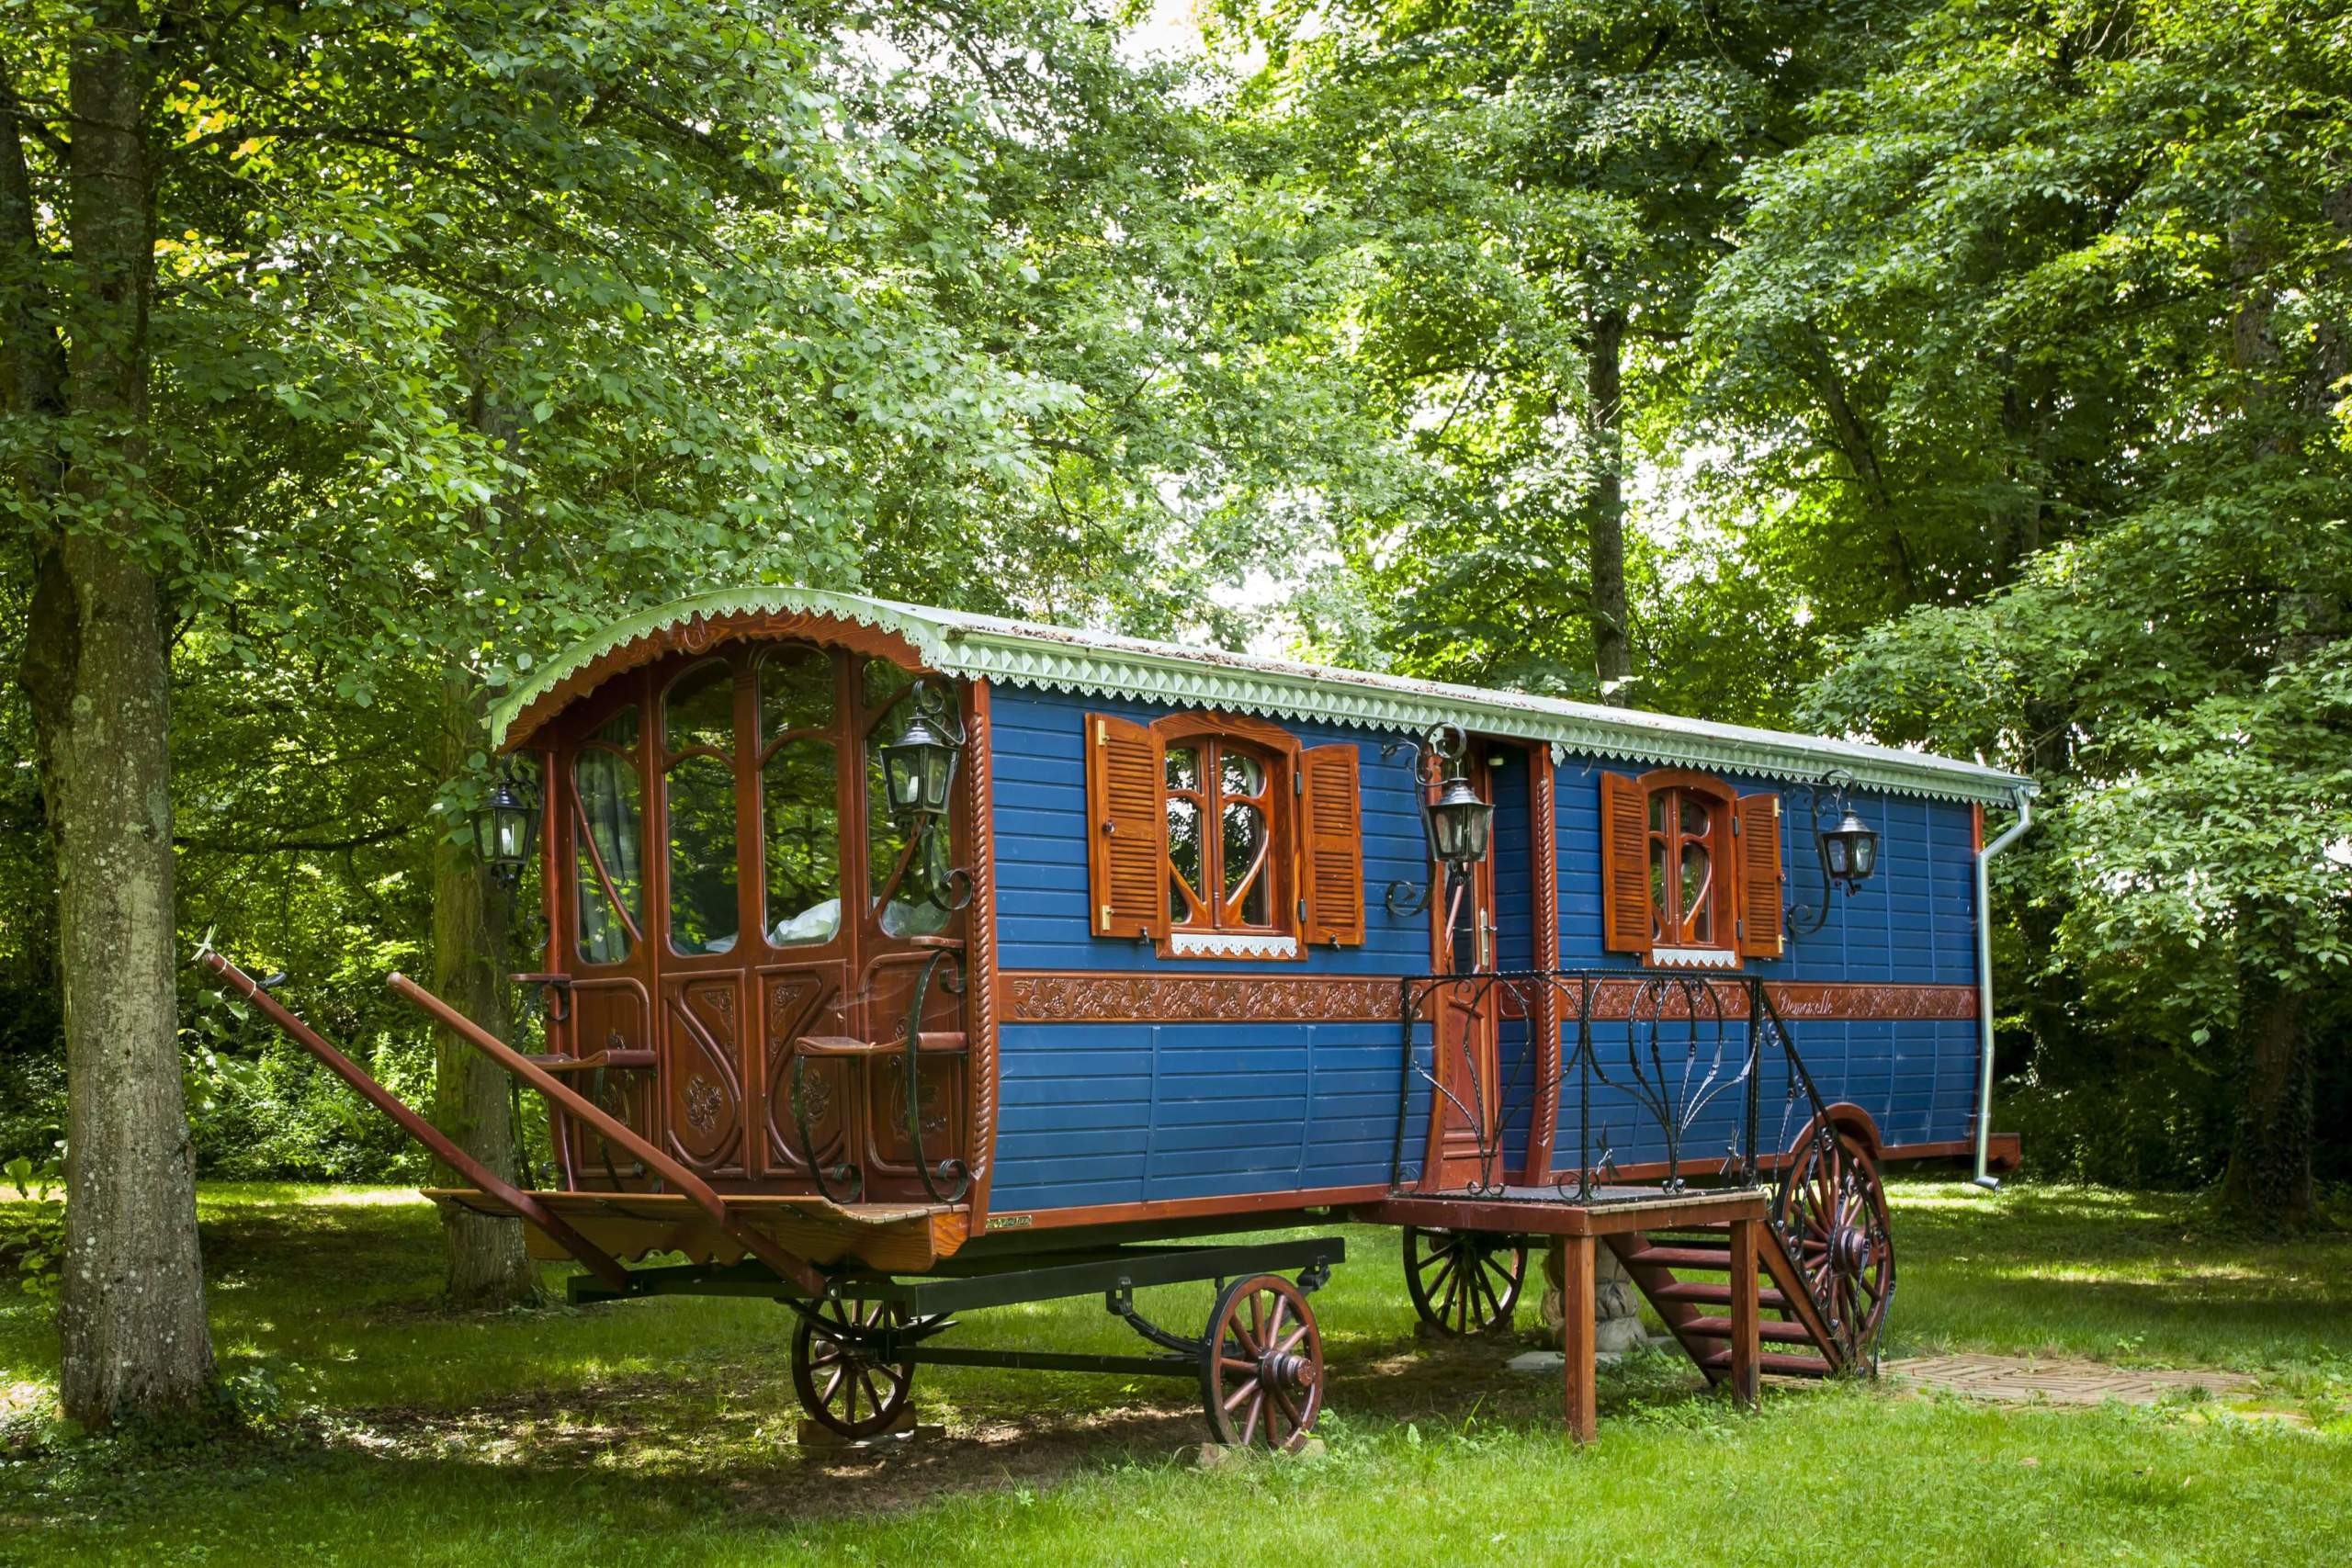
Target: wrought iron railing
pixel 1633 1059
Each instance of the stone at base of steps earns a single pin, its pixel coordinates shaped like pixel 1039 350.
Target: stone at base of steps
pixel 1556 1362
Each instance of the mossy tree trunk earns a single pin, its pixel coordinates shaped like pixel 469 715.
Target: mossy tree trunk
pixel 472 1097
pixel 133 1337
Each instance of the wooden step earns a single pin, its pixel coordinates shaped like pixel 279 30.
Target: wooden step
pixel 1677 1257
pixel 1773 1361
pixel 1713 1295
pixel 1766 1328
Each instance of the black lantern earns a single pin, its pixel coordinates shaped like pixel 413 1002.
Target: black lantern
pixel 1850 852
pixel 918 767
pixel 1847 851
pixel 506 829
pixel 1459 823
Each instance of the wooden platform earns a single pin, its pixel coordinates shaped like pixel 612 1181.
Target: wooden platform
pixel 1541 1210
pixel 891 1237
pixel 1620 1218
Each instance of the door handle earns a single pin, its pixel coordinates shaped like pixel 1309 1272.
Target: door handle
pixel 1486 941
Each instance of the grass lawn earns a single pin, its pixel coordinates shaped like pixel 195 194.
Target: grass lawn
pixel 663 1430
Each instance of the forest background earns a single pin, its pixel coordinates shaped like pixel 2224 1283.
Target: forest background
pixel 1966 373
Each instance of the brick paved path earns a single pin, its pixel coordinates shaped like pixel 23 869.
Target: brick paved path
pixel 2057 1381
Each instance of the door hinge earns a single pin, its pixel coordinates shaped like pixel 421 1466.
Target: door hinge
pixel 1302 911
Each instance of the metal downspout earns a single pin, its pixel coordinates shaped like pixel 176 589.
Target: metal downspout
pixel 1985 1177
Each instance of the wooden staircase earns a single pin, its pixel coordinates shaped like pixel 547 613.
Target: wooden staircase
pixel 1691 1278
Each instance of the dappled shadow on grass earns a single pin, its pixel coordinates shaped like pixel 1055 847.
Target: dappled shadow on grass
pixel 730 1437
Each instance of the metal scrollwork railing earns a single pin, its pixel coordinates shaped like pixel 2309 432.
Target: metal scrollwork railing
pixel 1647 1061
pixel 952 1171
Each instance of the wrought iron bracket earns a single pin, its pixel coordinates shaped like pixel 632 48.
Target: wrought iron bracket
pixel 1804 919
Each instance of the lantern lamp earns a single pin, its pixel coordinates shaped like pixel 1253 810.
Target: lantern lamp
pixel 1850 850
pixel 918 767
pixel 1459 823
pixel 506 829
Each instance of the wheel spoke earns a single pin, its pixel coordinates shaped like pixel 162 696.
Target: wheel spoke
pixel 1242 1390
pixel 1249 1426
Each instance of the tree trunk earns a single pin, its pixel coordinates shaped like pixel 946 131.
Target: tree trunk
pixel 134 1340
pixel 2268 1182
pixel 1613 650
pixel 472 1100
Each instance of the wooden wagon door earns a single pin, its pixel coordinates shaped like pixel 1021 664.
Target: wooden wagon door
pixel 1466 1021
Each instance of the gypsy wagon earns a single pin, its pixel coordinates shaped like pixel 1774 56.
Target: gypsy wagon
pixel 903 963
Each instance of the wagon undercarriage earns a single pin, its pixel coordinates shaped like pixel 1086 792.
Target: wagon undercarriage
pixel 1257 1362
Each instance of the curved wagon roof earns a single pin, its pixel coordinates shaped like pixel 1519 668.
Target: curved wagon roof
pixel 1025 653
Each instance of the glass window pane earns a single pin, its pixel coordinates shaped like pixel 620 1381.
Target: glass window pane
pixel 699 709
pixel 620 729
pixel 1658 811
pixel 1245 834
pixel 1694 817
pixel 795 691
pixel 1184 852
pixel 1696 867
pixel 880 680
pixel 913 907
pixel 1661 906
pixel 702 856
pixel 800 823
pixel 1242 774
pixel 1183 768
pixel 608 788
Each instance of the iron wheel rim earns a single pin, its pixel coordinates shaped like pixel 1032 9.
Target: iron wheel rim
pixel 1463 1283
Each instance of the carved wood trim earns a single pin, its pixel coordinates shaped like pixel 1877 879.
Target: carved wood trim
pixel 1046 996
pixel 980 975
pixel 1033 995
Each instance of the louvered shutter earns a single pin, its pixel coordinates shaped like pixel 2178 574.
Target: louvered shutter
pixel 1126 829
pixel 1331 836
pixel 1624 865
pixel 1758 816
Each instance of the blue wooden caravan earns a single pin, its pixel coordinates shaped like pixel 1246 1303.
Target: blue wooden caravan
pixel 904 961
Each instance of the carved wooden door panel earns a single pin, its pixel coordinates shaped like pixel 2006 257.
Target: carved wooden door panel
pixel 799 1001
pixel 1466 1024
pixel 609 1017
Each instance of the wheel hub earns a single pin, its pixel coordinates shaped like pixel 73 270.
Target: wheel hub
pixel 1286 1368
pixel 1850 1250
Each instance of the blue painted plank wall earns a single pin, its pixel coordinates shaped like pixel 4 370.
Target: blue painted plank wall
pixel 1120 1114
pixel 1096 1113
pixel 1912 923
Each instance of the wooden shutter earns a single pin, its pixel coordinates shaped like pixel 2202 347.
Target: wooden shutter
pixel 1126 829
pixel 1624 865
pixel 1758 824
pixel 1330 840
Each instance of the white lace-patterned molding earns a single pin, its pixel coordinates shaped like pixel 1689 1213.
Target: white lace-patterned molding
pixel 1018 653
pixel 1231 944
pixel 1694 958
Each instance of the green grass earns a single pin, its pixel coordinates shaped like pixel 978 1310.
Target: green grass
pixel 663 1430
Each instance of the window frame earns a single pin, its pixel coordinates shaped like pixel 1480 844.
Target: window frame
pixel 1277 750
pixel 1721 802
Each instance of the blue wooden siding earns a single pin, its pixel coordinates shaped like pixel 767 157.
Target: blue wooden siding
pixel 1118 1113
pixel 1911 924
pixel 1097 1113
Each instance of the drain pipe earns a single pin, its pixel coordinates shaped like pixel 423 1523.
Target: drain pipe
pixel 1985 1177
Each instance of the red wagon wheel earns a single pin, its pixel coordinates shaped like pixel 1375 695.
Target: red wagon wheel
pixel 1832 1210
pixel 841 1383
pixel 1262 1368
pixel 1463 1282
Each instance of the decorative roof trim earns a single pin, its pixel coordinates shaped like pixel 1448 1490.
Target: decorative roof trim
pixel 1055 658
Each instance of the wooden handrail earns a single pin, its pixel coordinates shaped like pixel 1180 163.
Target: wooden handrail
pixel 596 1259
pixel 613 1131
pixel 935 1042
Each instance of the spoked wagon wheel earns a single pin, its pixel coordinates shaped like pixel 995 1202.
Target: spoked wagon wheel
pixel 1261 1367
pixel 1833 1209
pixel 839 1382
pixel 1464 1282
